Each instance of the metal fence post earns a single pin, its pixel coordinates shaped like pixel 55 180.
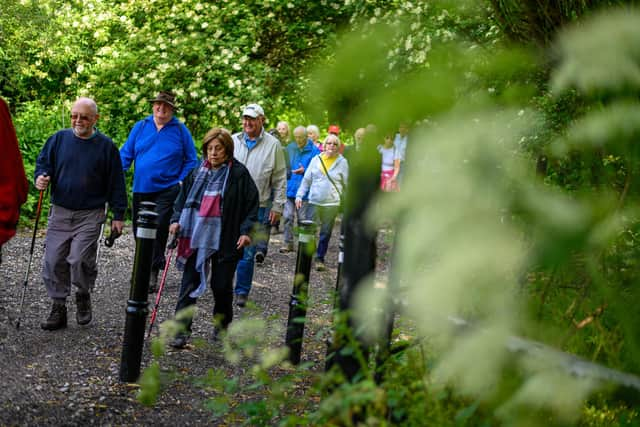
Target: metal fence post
pixel 300 293
pixel 132 345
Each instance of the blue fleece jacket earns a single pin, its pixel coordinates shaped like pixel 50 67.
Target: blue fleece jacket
pixel 299 157
pixel 162 158
pixel 85 173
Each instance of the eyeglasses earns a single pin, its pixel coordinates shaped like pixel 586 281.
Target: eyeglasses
pixel 81 117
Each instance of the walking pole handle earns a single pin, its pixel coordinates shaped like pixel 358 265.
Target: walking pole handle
pixel 109 241
pixel 173 242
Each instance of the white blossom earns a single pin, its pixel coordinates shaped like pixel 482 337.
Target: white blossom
pixel 408 44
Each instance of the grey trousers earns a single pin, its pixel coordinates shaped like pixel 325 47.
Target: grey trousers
pixel 290 212
pixel 70 250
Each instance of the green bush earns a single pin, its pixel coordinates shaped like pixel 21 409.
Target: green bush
pixel 34 124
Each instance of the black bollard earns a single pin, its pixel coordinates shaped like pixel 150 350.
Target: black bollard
pixel 299 296
pixel 134 329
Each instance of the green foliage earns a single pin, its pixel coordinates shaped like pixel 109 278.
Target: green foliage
pixel 34 124
pixel 24 35
pixel 481 236
pixel 604 134
pixel 150 384
pixel 215 56
pixel 616 71
pixel 538 23
pixel 484 218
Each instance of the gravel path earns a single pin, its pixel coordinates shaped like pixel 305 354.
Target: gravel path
pixel 70 376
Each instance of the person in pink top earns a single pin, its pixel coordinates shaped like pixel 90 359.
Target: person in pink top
pixel 390 165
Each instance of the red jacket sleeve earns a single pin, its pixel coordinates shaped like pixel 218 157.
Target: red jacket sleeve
pixel 13 182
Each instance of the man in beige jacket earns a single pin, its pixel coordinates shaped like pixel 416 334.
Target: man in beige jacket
pixel 262 154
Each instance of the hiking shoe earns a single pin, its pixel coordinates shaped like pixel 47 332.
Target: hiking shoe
pixel 153 281
pixel 217 333
pixel 57 318
pixel 83 308
pixel 179 341
pixel 259 257
pixel 241 300
pixel 320 266
pixel 286 249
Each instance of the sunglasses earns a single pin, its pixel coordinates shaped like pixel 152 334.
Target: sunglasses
pixel 81 117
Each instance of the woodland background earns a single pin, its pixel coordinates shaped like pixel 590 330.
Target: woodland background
pixel 519 209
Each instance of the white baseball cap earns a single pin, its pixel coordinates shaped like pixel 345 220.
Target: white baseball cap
pixel 253 110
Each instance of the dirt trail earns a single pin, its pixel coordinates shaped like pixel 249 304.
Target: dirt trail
pixel 70 376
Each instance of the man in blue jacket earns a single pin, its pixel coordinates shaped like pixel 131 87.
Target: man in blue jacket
pixel 300 152
pixel 83 168
pixel 163 151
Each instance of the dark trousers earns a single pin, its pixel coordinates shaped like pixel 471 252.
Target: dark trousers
pixel 221 285
pixel 164 208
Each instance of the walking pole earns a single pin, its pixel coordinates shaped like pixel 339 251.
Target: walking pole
pixel 33 243
pixel 172 245
pixel 106 207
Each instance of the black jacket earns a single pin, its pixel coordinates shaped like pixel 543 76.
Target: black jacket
pixel 240 204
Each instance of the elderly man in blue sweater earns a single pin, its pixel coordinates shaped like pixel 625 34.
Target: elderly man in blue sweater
pixel 83 168
pixel 162 149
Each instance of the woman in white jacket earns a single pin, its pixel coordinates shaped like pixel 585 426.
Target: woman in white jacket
pixel 325 180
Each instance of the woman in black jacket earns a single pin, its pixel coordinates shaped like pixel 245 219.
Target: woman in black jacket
pixel 213 218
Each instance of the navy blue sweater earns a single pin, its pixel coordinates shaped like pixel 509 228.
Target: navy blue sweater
pixel 85 173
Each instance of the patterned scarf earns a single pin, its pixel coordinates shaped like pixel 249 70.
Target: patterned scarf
pixel 201 221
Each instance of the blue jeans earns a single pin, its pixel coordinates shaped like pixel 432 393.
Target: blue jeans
pixel 262 241
pixel 244 271
pixel 325 217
